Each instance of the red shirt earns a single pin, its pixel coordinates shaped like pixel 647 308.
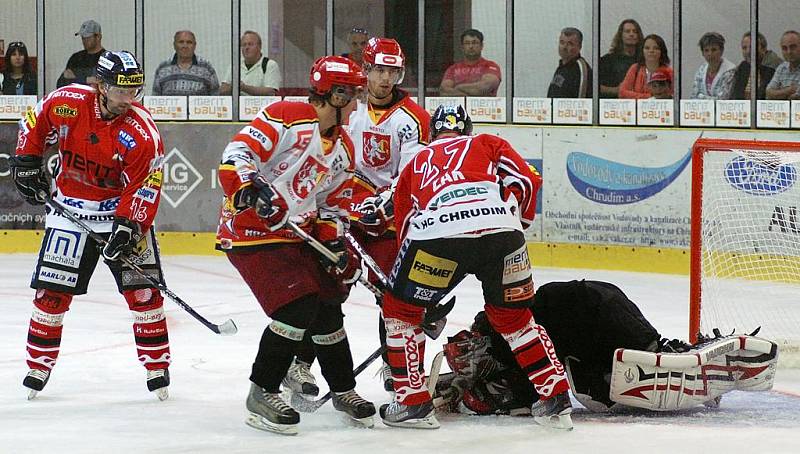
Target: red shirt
pixel 107 168
pixel 466 73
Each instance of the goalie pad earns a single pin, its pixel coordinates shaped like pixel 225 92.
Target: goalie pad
pixel 676 381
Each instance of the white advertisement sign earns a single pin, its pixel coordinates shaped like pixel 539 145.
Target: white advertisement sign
pixel 697 112
pixel 575 111
pixel 733 113
pixel 655 112
pixel 618 112
pixel 210 108
pixel 621 187
pixel 795 123
pixel 772 114
pixel 487 109
pixel 14 107
pixel 433 102
pixel 532 110
pixel 250 106
pixel 167 107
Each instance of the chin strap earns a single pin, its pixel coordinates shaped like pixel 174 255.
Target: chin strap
pixel 104 103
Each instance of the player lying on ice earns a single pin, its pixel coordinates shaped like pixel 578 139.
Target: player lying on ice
pixel 613 356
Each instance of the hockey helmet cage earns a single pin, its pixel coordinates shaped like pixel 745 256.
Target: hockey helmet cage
pixel 384 51
pixel 120 69
pixel 450 118
pixel 334 71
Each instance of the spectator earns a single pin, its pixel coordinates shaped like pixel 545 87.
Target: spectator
pixel 660 84
pixel 771 59
pixel 185 74
pixel 573 77
pixel 741 86
pixel 654 58
pixel 626 49
pixel 357 39
pixel 258 75
pixel 786 81
pixel 475 76
pixel 81 64
pixel 714 77
pixel 18 77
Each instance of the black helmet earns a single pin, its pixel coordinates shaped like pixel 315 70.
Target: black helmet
pixel 450 118
pixel 120 69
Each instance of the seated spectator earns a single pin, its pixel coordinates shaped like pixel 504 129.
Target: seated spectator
pixel 771 59
pixel 626 48
pixel 81 64
pixel 258 75
pixel 357 39
pixel 654 58
pixel 785 84
pixel 714 77
pixel 185 74
pixel 660 84
pixel 475 76
pixel 742 82
pixel 573 77
pixel 18 77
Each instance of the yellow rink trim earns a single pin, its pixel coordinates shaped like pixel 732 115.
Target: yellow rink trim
pixel 560 255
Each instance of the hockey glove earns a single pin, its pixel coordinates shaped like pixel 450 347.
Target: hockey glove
pixel 511 185
pixel 377 213
pixel 347 269
pixel 268 203
pixel 30 178
pixel 124 236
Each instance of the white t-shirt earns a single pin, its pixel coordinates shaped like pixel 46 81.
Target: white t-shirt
pixel 256 76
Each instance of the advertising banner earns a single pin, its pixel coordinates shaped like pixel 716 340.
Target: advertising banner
pixel 617 187
pixel 533 110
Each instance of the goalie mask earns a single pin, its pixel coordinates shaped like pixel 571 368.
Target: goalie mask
pixel 468 355
pixel 385 55
pixel 450 119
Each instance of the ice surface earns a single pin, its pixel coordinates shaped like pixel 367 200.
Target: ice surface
pixel 96 400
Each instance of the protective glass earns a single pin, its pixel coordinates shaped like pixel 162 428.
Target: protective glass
pixel 379 72
pixel 124 93
pixel 345 93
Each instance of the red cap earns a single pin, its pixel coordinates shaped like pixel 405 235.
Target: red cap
pixel 660 76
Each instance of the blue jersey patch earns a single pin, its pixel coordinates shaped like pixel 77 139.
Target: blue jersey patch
pixel 126 140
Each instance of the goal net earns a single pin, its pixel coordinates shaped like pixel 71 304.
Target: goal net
pixel 745 245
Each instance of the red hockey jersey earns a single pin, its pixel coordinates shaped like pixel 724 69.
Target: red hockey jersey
pixel 313 174
pixel 460 187
pixel 107 168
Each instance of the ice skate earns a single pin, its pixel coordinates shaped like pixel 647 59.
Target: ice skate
pixel 35 381
pixel 386 376
pixel 158 382
pixel 359 411
pixel 269 412
pixel 553 412
pixel 422 416
pixel 300 380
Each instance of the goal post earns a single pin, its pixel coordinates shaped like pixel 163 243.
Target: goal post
pixel 745 239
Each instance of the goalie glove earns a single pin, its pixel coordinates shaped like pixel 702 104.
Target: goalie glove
pixel 377 212
pixel 347 268
pixel 30 179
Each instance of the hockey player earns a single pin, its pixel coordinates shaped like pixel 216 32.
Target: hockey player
pixel 461 205
pixel 109 175
pixel 387 131
pixel 588 322
pixel 295 161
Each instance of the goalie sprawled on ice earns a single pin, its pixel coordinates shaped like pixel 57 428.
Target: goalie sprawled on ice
pixel 612 354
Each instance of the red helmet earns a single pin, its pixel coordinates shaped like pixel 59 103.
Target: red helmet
pixel 331 71
pixel 384 51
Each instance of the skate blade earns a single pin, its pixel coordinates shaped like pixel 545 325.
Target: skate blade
pixel 257 422
pixel 429 422
pixel 301 403
pixel 32 394
pixel 561 422
pixel 361 423
pixel 162 393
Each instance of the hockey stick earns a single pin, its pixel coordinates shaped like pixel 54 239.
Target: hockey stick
pixel 310 406
pixel 367 259
pixel 226 329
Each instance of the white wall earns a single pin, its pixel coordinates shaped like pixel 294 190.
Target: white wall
pixel 18 19
pixel 490 19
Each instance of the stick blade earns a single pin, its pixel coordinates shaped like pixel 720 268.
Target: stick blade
pixel 228 328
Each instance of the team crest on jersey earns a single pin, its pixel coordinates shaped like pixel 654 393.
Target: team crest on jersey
pixel 376 149
pixel 65 111
pixel 308 177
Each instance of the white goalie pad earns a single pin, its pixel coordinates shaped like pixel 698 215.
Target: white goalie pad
pixel 674 381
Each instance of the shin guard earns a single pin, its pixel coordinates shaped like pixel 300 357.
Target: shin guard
pixel 406 351
pixel 335 360
pixel 149 327
pixel 533 350
pixel 44 331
